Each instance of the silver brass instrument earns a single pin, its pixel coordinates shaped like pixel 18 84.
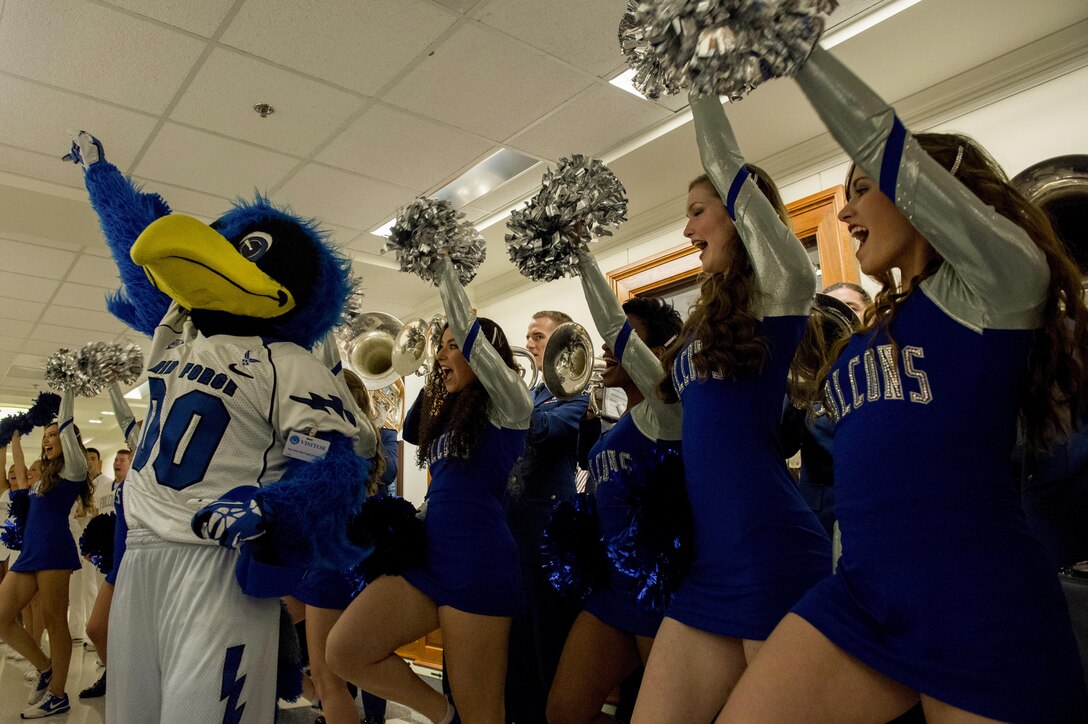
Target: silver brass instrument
pixel 534 371
pixel 415 344
pixel 371 351
pixel 570 365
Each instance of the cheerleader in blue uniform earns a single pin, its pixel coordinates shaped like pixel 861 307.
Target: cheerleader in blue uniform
pixel 942 593
pixel 757 545
pixel 47 560
pixel 474 416
pixel 614 632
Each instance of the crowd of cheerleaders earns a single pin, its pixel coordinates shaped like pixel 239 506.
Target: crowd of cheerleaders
pixel 943 597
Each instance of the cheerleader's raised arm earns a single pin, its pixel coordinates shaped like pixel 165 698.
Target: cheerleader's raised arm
pixel 783 272
pixel 656 418
pixel 75 462
pixel 511 405
pixel 993 259
pixel 123 414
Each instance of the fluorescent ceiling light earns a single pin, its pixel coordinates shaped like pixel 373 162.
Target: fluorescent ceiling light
pixel 5 411
pixel 137 393
pixel 94 421
pixel 104 412
pixel 623 82
pixel 864 21
pixel 383 230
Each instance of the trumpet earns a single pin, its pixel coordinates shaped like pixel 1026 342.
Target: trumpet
pixel 570 367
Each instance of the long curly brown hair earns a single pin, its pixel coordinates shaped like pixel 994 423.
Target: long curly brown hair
pixel 721 319
pixel 51 473
pixel 463 414
pixel 1054 399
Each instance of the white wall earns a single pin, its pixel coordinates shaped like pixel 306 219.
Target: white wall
pixel 1038 123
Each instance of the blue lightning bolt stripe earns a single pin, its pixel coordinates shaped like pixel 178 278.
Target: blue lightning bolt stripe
pixel 332 404
pixel 231 690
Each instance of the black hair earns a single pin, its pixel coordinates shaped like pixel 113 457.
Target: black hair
pixel 662 322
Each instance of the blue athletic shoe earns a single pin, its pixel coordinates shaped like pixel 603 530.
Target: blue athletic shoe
pixel 36 694
pixel 48 706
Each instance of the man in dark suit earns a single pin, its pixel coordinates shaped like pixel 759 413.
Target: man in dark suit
pixel 544 476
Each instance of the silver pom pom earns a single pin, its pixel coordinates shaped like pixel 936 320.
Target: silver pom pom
pixel 725 47
pixel 124 364
pixel 73 371
pixel 426 229
pixel 345 332
pixel 576 202
pixel 651 78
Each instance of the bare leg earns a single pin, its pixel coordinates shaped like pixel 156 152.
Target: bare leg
pixel 35 624
pixel 596 658
pixel 689 676
pixel 16 591
pixel 362 645
pixel 937 712
pixel 53 586
pixel 475 648
pixel 800 675
pixel 98 624
pixel 337 704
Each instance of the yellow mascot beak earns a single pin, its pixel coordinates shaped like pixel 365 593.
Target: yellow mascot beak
pixel 198 268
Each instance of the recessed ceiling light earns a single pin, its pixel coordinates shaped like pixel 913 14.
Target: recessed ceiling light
pixel 104 412
pixel 383 230
pixel 94 421
pixel 864 21
pixel 623 82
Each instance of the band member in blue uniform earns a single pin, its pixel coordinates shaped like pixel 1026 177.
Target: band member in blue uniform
pixel 46 561
pixel 473 412
pixel 542 477
pixel 942 592
pixel 614 632
pixel 757 546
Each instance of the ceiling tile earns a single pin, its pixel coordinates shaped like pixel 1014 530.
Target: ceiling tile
pixel 96 50
pixel 338 197
pixel 37 260
pixel 584 34
pixel 95 270
pixel 187 201
pixel 30 360
pixel 389 144
pixel 15 328
pixel 39 347
pixel 600 118
pixel 90 319
pixel 198 160
pixel 38 118
pixel 31 288
pixel 59 221
pixel 357 44
pixel 69 336
pixel 197 16
pixel 340 235
pixel 43 166
pixel 483 82
pixel 20 308
pixel 83 296
pixel 228 85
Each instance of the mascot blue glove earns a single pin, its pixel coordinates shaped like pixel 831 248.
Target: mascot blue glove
pixel 233 519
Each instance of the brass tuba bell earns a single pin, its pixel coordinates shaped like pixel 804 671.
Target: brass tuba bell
pixel 569 363
pixel 370 352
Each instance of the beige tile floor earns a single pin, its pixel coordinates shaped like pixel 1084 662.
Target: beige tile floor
pixel 14 689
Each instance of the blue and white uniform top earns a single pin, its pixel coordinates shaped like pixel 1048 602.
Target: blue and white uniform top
pixel 471 562
pixel 758 547
pixel 941 585
pixel 222 413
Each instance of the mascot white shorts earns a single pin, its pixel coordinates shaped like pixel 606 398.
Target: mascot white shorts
pixel 185 644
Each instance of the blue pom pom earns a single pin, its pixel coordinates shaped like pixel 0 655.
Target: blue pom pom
pixel 656 547
pixel 574 554
pixel 45 409
pixel 15 526
pixel 389 532
pixel 96 542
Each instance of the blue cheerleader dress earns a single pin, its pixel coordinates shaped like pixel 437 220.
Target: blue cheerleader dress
pixel 472 561
pixel 941 585
pixel 48 544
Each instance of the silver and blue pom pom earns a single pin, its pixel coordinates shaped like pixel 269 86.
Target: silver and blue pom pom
pixel 656 548
pixel 573 551
pixel 578 201
pixel 427 229
pixel 719 47
pixel 86 371
pixel 13 529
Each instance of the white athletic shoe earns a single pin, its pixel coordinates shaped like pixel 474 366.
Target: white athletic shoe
pixel 39 690
pixel 48 706
pixel 31 675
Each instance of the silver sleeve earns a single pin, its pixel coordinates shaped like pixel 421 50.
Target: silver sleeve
pixel 783 272
pixel 511 405
pixel 123 414
pixel 993 258
pixel 75 462
pixel 638 360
